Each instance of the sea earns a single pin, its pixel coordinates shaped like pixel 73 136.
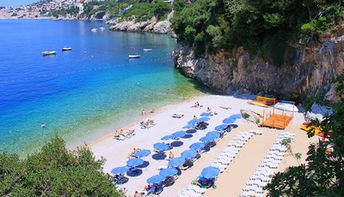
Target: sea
pixel 75 94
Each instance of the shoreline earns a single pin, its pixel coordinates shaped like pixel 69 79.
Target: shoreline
pixel 107 131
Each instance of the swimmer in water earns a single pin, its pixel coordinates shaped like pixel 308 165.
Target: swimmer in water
pixel 43 125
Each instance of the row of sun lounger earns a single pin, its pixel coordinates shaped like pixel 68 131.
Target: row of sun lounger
pixel 222 161
pixel 270 163
pixel 233 148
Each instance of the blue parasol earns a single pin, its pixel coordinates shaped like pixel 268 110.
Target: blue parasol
pixel 161 146
pixel 134 162
pixel 197 146
pixel 214 134
pixel 178 134
pixel 189 154
pixel 142 153
pixel 176 162
pixel 119 170
pixel 204 114
pixel 167 172
pixel 167 137
pixel 207 139
pixel 232 119
pixel 221 127
pixel 157 179
pixel 210 172
pixel 192 122
pixel 203 119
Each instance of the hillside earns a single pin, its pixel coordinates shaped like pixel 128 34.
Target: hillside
pixel 289 49
pixel 149 16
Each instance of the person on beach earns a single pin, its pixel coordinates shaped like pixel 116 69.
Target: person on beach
pixel 170 155
pixel 143 112
pixel 194 117
pixel 208 110
pixel 152 111
pixel 148 187
pixel 195 105
pixel 137 194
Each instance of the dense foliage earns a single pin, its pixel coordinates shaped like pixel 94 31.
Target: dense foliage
pixel 323 175
pixel 145 10
pixel 54 171
pixel 210 25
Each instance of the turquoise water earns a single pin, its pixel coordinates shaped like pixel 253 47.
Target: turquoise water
pixel 75 93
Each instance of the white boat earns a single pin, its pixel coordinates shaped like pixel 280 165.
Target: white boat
pixel 66 49
pixel 147 50
pixel 94 30
pixel 48 53
pixel 102 28
pixel 134 56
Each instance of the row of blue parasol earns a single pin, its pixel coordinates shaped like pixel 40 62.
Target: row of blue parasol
pixel 176 162
pixel 207 173
pixel 189 154
pixel 210 173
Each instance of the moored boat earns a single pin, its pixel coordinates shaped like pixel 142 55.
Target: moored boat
pixel 48 53
pixel 94 30
pixel 66 49
pixel 134 56
pixel 147 50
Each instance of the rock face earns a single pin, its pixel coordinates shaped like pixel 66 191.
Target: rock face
pixel 151 25
pixel 162 27
pixel 307 71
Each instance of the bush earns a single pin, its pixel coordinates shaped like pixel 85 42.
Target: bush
pixel 55 171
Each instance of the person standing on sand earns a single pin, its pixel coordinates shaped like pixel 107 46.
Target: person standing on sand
pixel 137 194
pixel 143 112
pixel 170 155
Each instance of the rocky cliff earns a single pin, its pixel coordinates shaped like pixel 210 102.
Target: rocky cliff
pixel 152 25
pixel 306 71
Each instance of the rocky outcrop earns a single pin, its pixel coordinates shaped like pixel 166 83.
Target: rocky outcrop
pixel 151 25
pixel 306 72
pixel 162 27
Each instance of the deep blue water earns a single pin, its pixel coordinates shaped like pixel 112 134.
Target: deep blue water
pixel 75 93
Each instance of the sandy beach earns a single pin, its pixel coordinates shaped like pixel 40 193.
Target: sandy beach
pixel 233 179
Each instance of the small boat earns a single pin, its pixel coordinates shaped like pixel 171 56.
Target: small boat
pixel 147 50
pixel 94 30
pixel 66 49
pixel 48 53
pixel 134 56
pixel 102 28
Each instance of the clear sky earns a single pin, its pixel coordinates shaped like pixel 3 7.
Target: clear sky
pixel 15 3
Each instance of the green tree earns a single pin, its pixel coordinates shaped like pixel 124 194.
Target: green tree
pixel 160 8
pixel 55 171
pixel 257 25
